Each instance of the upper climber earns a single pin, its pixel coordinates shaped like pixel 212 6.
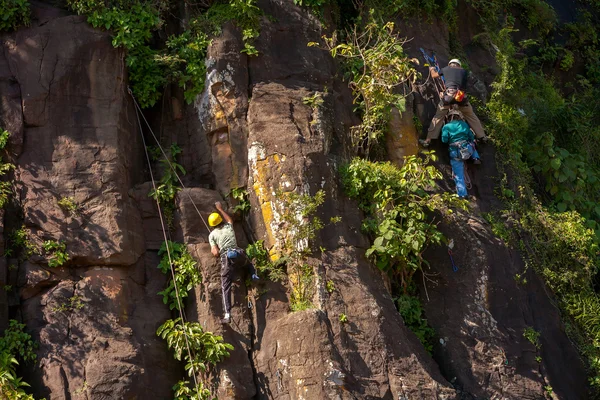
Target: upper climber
pixel 224 244
pixel 456 81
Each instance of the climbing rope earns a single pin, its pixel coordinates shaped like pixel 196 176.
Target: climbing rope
pixel 138 112
pixel 450 247
pixel 162 223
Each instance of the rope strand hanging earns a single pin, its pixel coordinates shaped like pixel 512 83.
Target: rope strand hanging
pixel 160 215
pixel 138 112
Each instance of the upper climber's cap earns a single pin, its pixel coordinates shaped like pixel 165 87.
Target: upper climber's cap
pixel 455 61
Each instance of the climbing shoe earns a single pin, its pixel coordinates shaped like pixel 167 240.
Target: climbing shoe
pixel 226 320
pixel 477 161
pixel 255 277
pixel 423 143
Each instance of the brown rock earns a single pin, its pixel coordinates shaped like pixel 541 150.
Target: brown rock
pixel 79 118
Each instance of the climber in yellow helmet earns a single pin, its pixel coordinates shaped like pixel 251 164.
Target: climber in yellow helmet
pixel 223 244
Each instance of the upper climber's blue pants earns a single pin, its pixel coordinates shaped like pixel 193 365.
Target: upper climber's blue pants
pixel 458 167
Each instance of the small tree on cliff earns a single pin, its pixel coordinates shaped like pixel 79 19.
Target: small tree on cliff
pixel 298 227
pixel 379 74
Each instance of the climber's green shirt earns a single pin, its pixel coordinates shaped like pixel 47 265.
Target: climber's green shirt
pixel 455 131
pixel 223 237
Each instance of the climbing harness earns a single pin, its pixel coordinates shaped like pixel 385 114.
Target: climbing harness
pixel 162 223
pixel 450 247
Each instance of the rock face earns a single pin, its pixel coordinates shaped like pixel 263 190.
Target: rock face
pixel 75 134
pixel 73 129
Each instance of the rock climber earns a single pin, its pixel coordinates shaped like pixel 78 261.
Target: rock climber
pixel 456 82
pixel 461 146
pixel 223 244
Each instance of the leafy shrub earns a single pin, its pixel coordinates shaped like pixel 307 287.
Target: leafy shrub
pixel 5 187
pixel 68 204
pixel 395 201
pixel 182 60
pixel 73 303
pixel 57 252
pixel 537 14
pixel 183 391
pixel 19 244
pixel 207 349
pixel 241 196
pixel 187 275
pixel 411 310
pixel 260 258
pixel 14 14
pixel 298 227
pixel 15 344
pixel 532 336
pixel 146 74
pixel 244 13
pixel 379 74
pixel 528 121
pixel 186 61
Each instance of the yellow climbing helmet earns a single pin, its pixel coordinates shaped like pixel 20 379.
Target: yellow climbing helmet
pixel 214 219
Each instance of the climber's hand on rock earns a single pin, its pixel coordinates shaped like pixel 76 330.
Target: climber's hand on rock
pixel 218 205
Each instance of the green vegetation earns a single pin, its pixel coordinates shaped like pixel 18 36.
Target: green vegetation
pixel 532 336
pixel 180 59
pixel 549 144
pixel 207 349
pixel 14 14
pixel 262 262
pixel 5 187
pixel 57 253
pixel 315 101
pixel 379 74
pixel 168 186
pixel 15 344
pixel 73 303
pixel 244 13
pixel 298 228
pixel 330 286
pixel 395 201
pixel 187 275
pixel 241 196
pixel 183 391
pixel 69 205
pixel 19 244
pixel 411 309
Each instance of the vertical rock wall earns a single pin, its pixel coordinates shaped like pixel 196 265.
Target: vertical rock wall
pixel 64 98
pixel 75 135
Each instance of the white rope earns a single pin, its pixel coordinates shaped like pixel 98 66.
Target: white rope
pixel 162 223
pixel 139 111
